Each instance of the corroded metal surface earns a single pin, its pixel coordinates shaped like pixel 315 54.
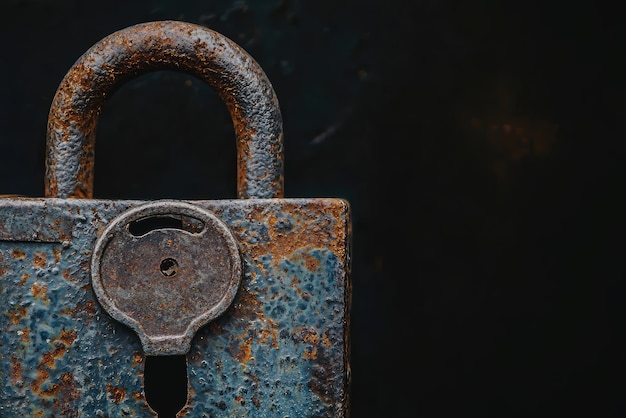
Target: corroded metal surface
pixel 206 54
pixel 166 282
pixel 281 349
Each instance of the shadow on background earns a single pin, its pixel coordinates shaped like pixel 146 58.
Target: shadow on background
pixel 478 143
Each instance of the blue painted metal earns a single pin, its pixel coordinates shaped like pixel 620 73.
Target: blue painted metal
pixel 281 349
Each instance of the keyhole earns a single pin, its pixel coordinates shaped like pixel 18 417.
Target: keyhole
pixel 165 384
pixel 169 267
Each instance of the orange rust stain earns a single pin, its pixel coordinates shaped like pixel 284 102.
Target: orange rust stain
pixel 17 314
pixel 312 263
pixel 137 359
pixel 308 335
pixel 18 253
pixel 57 255
pixel 311 336
pixel 89 307
pixel 326 341
pixel 117 394
pixel 3 270
pixel 294 284
pixel 67 337
pixel 309 230
pixel 244 353
pixel 137 396
pixel 24 278
pixel 42 376
pixel 67 276
pixel 40 260
pixel 39 291
pixel 310 355
pixel 266 334
pixel 25 335
pixel 48 360
pixel 240 399
pixel 68 393
pixel 16 370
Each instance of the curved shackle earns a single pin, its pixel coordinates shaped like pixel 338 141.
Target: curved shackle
pixel 164 45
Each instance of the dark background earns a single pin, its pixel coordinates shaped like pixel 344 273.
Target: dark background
pixel 480 144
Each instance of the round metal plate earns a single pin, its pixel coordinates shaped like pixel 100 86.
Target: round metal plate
pixel 165 269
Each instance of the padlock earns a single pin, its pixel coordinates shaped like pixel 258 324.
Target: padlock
pixel 254 292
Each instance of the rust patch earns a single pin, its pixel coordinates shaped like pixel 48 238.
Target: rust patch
pixel 67 337
pixel 137 359
pixel 266 334
pixel 308 335
pixel 24 278
pixel 311 263
pixel 89 307
pixel 24 335
pixel 310 354
pixel 67 275
pixel 326 341
pixel 243 352
pixel 307 230
pixel 48 360
pixel 103 68
pixel 17 314
pixel 117 394
pixel 57 254
pixel 18 253
pixel 68 394
pixel 40 260
pixel 16 370
pixel 137 396
pixel 39 291
pixel 248 307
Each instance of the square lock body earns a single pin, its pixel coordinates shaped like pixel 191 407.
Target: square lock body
pixel 279 349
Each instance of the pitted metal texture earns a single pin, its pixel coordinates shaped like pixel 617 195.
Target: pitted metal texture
pixel 281 349
pixel 166 281
pixel 165 45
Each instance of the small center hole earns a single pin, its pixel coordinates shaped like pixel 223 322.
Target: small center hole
pixel 168 267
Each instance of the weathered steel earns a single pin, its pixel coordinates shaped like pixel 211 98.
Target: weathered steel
pixel 281 348
pixel 167 282
pixel 197 50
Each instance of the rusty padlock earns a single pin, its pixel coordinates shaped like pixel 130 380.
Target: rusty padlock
pixel 253 291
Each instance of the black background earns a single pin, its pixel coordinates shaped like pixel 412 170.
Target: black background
pixel 480 144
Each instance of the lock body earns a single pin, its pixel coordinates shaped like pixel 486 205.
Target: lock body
pixel 280 349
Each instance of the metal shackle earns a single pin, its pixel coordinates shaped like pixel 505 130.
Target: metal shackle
pixel 164 45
